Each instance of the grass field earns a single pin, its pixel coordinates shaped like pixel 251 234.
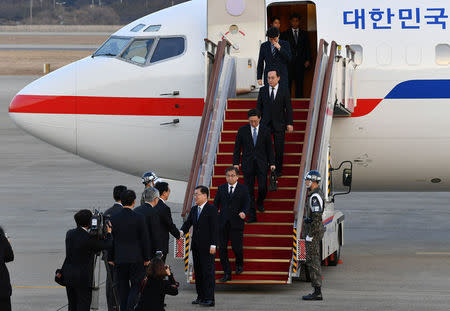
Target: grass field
pixel 30 62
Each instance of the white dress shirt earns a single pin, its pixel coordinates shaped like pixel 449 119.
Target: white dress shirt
pixel 275 90
pixel 235 184
pixel 253 128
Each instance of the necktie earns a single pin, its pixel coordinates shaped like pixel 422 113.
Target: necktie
pixel 296 35
pixel 272 95
pixel 255 136
pixel 199 211
pixel 274 50
pixel 231 190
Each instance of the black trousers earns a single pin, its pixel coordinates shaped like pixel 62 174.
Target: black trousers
pixel 297 76
pixel 204 268
pixel 278 143
pixel 110 287
pixel 79 298
pixel 5 304
pixel 227 233
pixel 130 276
pixel 250 173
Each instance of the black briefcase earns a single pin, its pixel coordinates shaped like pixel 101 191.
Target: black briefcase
pixel 273 183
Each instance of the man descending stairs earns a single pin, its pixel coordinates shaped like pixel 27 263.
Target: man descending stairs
pixel 268 242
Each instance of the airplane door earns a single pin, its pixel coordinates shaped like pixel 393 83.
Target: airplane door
pixel 242 21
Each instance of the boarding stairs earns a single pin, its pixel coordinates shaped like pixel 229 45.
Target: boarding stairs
pixel 272 245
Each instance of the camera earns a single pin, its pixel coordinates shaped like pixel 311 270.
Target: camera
pixel 159 254
pixel 99 224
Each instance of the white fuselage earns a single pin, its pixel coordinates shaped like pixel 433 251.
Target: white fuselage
pixel 110 110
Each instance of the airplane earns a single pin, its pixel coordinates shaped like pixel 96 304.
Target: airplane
pixel 136 103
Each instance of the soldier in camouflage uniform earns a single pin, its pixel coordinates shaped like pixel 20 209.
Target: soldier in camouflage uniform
pixel 314 230
pixel 149 179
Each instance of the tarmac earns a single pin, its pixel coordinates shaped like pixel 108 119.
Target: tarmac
pixel 396 254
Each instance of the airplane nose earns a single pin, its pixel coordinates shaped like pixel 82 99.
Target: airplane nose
pixel 50 118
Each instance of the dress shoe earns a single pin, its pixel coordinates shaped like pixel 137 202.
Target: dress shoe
pixel 260 207
pixel 196 301
pixel 226 277
pixel 317 295
pixel 207 303
pixel 239 269
pixel 251 220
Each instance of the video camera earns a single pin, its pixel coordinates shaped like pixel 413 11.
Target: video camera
pixel 99 224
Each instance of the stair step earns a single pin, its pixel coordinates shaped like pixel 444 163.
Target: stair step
pixel 289 147
pixel 267 253
pixel 259 264
pixel 267 239
pixel 274 204
pixel 296 136
pixel 297 103
pixel 272 227
pixel 252 278
pixel 288 158
pixel 283 181
pixel 238 114
pixel 281 193
pixel 288 169
pixel 233 125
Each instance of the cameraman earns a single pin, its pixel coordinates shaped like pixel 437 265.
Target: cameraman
pixel 157 286
pixel 81 248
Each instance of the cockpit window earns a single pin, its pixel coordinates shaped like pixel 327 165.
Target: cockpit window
pixel 167 48
pixel 137 28
pixel 152 28
pixel 112 47
pixel 138 51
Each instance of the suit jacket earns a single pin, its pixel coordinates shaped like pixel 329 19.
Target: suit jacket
pixel 154 227
pixel 6 255
pixel 131 239
pixel 113 210
pixel 230 206
pixel 262 152
pixel 278 113
pixel 205 227
pixel 280 61
pixel 80 250
pixel 167 225
pixel 301 51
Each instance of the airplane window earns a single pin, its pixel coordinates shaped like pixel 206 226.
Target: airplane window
pixel 167 48
pixel 137 28
pixel 138 51
pixel 112 47
pixel 152 28
pixel 443 54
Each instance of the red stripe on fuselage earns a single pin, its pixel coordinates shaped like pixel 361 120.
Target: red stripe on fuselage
pixel 365 106
pixel 107 105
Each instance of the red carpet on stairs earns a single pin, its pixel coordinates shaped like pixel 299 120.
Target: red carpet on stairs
pixel 267 243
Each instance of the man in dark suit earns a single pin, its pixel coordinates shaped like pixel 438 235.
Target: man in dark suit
pixel 165 218
pixel 233 202
pixel 274 102
pixel 111 277
pixel 301 53
pixel 154 228
pixel 80 252
pixel 274 53
pixel 203 219
pixel 130 253
pixel 254 141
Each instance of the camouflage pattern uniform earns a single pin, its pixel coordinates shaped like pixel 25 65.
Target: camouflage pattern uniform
pixel 315 229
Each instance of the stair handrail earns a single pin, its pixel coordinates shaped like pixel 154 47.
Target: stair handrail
pixel 204 126
pixel 320 75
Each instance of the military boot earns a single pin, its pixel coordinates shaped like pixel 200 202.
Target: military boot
pixel 317 295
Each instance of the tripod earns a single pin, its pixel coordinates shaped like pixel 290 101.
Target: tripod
pixel 96 281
